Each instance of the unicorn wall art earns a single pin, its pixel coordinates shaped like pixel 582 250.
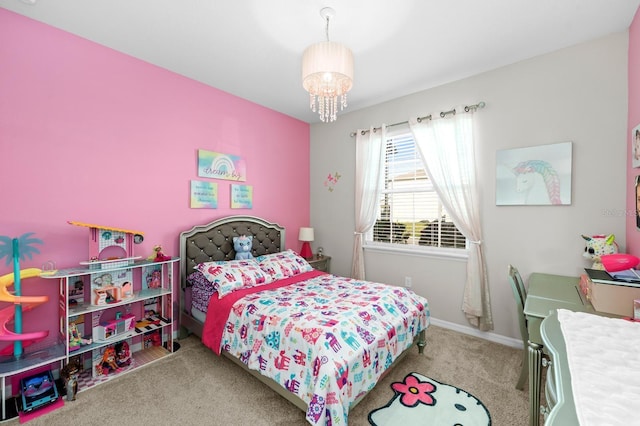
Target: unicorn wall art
pixel 534 176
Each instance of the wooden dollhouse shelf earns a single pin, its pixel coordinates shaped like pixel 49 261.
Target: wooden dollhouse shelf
pixel 139 359
pixel 125 284
pixel 145 326
pixel 137 331
pixel 43 353
pixel 110 263
pixel 86 308
pixel 85 270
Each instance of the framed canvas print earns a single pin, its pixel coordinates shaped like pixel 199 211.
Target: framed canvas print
pixel 204 195
pixel 241 196
pixel 221 166
pixel 537 175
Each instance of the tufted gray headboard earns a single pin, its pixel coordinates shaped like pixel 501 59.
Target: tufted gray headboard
pixel 214 241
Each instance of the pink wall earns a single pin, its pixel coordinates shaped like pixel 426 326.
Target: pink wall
pixel 93 135
pixel 633 235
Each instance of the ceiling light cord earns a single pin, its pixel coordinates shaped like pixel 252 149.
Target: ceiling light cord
pixel 327 28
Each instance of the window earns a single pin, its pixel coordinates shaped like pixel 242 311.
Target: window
pixel 410 213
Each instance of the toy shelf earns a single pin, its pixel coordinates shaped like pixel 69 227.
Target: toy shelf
pixel 139 359
pixel 86 270
pixel 115 315
pixel 137 331
pixel 33 357
pixel 87 308
pixel 142 317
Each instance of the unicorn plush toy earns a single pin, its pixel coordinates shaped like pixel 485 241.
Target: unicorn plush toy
pixel 598 245
pixel 242 245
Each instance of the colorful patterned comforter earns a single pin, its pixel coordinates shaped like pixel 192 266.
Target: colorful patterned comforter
pixel 327 339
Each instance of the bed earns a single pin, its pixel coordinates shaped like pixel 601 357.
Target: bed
pixel 319 340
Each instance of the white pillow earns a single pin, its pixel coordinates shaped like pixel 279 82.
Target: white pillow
pixel 233 275
pixel 283 264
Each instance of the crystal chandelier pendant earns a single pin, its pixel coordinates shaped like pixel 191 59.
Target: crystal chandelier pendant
pixel 327 74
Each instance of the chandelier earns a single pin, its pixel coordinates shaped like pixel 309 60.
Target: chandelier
pixel 327 73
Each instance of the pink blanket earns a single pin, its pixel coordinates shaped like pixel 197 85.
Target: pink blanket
pixel 219 309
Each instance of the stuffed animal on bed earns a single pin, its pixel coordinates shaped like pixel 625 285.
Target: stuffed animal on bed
pixel 596 246
pixel 242 245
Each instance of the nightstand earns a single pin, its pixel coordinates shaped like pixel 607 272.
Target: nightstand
pixel 320 263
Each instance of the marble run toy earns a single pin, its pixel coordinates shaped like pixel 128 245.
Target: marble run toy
pixel 14 249
pixel 7 314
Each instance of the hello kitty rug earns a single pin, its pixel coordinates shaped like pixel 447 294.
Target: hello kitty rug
pixel 419 400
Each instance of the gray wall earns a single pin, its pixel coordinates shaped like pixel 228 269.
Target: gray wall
pixel 577 94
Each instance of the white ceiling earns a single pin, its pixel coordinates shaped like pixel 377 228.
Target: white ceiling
pixel 253 48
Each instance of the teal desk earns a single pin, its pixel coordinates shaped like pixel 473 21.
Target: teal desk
pixel 546 293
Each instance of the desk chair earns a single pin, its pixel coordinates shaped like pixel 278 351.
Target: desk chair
pixel 520 295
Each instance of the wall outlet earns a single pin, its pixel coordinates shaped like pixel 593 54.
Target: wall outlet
pixel 407 282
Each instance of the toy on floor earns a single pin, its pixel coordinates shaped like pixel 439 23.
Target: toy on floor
pixel 69 374
pixel 242 245
pixel 598 245
pixel 157 255
pixel 38 391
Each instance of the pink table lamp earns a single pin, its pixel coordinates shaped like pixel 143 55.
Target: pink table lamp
pixel 306 236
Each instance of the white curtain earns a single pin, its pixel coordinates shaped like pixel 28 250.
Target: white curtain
pixel 369 166
pixel 447 148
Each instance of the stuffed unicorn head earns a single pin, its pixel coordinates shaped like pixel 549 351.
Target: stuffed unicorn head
pixel 596 246
pixel 242 245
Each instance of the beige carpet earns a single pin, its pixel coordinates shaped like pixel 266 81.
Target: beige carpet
pixel 196 387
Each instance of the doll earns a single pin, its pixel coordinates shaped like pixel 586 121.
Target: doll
pixel 157 255
pixel 69 374
pixel 75 339
pixel 108 362
pixel 123 355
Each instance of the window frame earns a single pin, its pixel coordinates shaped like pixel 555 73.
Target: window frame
pixel 411 249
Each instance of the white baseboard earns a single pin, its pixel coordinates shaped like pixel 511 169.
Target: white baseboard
pixel 497 338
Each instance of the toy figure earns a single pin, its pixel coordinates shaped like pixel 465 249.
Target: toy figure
pixel 108 363
pixel 153 280
pixel 242 245
pixel 75 339
pixel 157 255
pixel 69 374
pixel 123 355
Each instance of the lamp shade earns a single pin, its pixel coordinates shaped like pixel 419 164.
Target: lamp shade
pixel 327 69
pixel 327 74
pixel 306 234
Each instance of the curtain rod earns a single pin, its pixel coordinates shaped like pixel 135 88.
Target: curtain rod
pixel 443 114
